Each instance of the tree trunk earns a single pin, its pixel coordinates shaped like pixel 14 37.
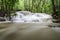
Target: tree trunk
pixel 54 10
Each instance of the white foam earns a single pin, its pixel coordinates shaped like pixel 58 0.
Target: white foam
pixel 36 17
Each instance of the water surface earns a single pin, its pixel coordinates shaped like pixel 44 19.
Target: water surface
pixel 28 31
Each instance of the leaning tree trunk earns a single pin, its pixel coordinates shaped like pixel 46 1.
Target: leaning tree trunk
pixel 54 10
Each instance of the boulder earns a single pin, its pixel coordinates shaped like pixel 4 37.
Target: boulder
pixel 2 19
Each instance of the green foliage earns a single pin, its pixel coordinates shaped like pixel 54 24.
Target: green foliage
pixel 19 5
pixel 35 5
pixel 7 6
pixel 42 6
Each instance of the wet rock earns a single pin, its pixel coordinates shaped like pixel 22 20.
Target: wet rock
pixel 2 19
pixel 56 20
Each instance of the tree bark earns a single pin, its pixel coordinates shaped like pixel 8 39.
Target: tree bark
pixel 54 10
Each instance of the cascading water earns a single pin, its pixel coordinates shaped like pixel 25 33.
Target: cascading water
pixel 31 17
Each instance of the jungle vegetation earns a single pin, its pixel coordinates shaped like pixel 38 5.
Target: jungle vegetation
pixel 41 6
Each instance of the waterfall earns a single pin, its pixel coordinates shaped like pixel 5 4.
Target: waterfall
pixel 25 16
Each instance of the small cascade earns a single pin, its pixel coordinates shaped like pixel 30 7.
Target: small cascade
pixel 31 17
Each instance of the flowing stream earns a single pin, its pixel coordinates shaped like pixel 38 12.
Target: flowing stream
pixel 31 17
pixel 29 26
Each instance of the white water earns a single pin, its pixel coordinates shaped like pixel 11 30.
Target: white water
pixel 31 17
